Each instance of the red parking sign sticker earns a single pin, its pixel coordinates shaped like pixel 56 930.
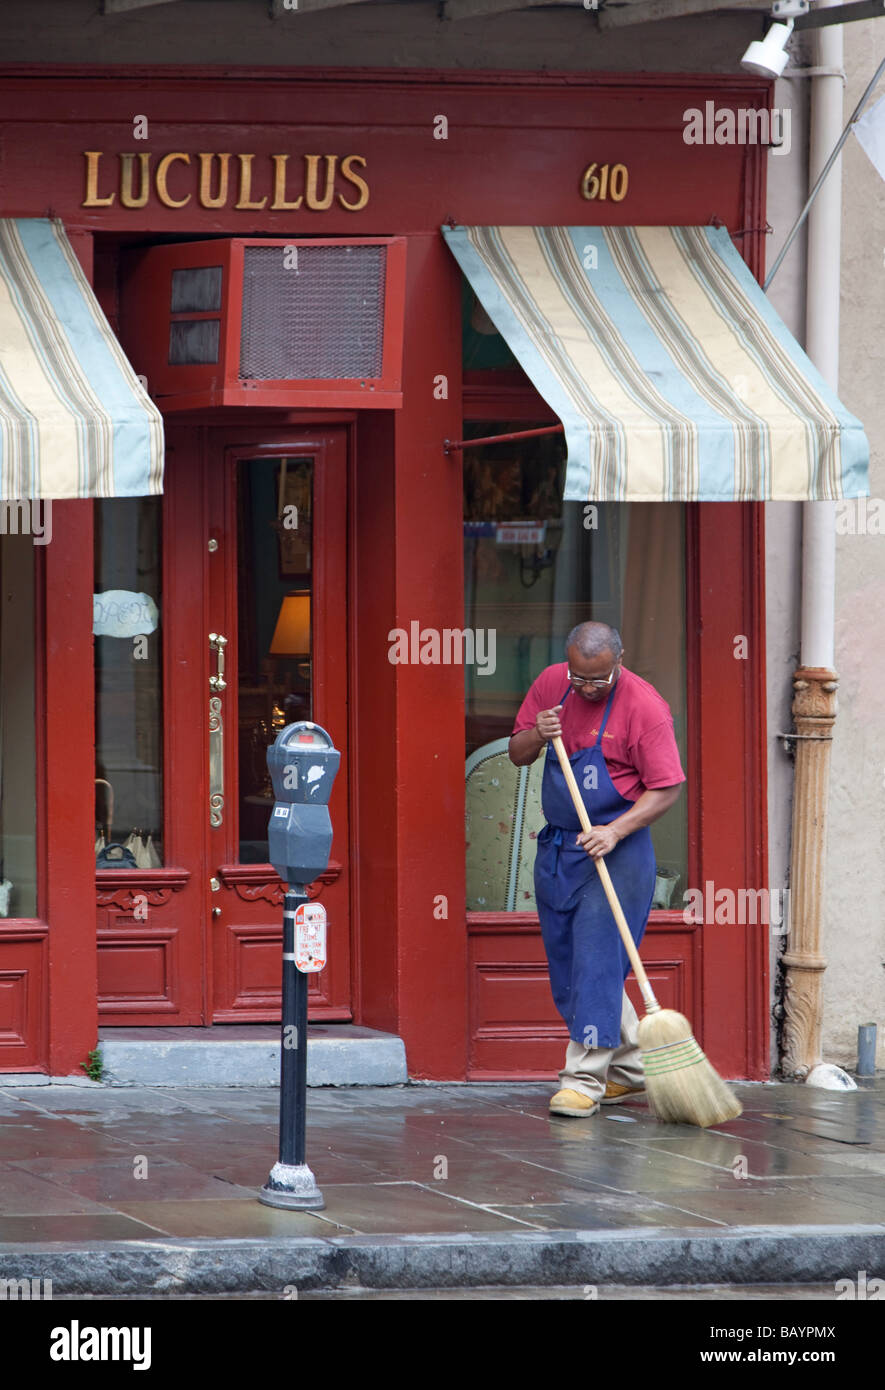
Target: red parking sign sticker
pixel 310 937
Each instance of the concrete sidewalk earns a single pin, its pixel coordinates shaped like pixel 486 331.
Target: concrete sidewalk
pixel 112 1190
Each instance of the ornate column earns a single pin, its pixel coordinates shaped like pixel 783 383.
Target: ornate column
pixel 814 714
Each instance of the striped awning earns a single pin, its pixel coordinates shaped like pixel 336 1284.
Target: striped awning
pixel 673 377
pixel 74 419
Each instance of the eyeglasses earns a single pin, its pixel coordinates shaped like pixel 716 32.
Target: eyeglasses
pixel 597 682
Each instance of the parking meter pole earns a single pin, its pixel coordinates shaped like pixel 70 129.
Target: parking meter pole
pixel 293 1048
pixel 291 1183
pixel 302 763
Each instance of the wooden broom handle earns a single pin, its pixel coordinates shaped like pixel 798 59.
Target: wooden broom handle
pixel 651 1003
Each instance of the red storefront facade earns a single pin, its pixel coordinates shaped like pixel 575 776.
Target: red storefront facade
pixel 347 157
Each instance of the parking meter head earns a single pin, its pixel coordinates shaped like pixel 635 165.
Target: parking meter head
pixel 303 761
pixel 299 842
pixel 303 764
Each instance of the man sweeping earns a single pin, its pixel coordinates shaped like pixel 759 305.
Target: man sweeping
pixel 618 734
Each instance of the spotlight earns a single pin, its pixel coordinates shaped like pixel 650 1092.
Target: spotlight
pixel 769 58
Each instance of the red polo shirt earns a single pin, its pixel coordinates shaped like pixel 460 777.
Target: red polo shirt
pixel 638 745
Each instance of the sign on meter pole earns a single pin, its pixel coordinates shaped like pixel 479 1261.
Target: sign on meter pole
pixel 310 938
pixel 303 763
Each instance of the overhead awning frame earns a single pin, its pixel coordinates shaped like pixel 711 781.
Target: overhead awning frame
pixel 451 445
pixel 672 375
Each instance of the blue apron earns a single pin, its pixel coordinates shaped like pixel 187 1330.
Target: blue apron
pixel 586 957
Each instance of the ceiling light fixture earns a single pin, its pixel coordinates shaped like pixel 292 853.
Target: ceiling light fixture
pixel 768 58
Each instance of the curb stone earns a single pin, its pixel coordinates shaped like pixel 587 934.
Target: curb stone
pixel 658 1256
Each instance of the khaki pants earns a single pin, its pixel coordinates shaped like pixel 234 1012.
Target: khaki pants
pixel 587 1069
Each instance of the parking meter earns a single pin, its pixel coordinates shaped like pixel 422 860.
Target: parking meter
pixel 303 764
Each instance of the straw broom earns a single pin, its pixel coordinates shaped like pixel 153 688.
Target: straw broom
pixel 682 1086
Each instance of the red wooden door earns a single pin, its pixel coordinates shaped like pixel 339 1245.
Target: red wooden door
pixel 196 938
pixel 277 652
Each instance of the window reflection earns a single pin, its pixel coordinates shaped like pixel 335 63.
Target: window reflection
pixel 534 567
pixel 18 819
pixel 275 509
pixel 128 683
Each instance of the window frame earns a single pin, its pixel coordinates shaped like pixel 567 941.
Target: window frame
pixel 510 395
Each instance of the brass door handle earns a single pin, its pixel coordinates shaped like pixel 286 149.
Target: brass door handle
pixel 217 684
pixel 218 644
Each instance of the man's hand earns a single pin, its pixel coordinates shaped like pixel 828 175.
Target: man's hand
pixel 525 746
pixel 599 841
pixel 547 723
pixel 653 802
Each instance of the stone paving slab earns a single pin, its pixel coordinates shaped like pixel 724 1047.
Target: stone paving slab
pixel 105 1188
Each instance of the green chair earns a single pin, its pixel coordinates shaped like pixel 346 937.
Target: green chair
pixel 502 821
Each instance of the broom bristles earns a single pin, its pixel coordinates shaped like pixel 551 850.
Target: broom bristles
pixel 681 1085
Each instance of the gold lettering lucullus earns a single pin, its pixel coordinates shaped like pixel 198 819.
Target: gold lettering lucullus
pixel 162 171
pixel 140 177
pixel 92 199
pixel 127 198
pixel 206 198
pixel 243 202
pixel 315 203
pixel 279 203
pixel 357 182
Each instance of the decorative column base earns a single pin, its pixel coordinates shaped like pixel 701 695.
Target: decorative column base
pixel 814 714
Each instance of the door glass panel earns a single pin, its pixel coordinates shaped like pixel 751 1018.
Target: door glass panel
pixel 617 563
pixel 275 541
pixel 18 757
pixel 128 682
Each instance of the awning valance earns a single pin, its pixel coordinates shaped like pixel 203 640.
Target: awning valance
pixel 74 419
pixel 673 377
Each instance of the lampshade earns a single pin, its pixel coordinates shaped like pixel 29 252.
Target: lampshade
pixel 769 58
pixel 291 635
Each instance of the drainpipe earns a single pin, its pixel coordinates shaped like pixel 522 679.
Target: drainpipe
pixel 815 680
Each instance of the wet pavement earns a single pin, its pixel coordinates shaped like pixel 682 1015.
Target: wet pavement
pixel 446 1165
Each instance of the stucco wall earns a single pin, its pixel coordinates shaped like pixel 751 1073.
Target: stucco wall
pixel 854 924
pixel 408 34
pixel 854 913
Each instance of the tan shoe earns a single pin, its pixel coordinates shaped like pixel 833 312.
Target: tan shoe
pixel 614 1093
pixel 573 1103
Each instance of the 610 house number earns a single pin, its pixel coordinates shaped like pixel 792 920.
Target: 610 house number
pixel 604 181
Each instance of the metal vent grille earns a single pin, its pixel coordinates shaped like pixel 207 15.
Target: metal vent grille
pixel 312 312
pixel 196 289
pixel 193 341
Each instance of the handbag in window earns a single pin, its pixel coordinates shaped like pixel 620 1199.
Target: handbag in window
pixel 115 856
